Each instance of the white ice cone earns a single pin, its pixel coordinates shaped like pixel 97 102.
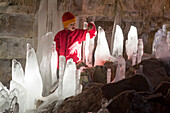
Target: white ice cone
pixel 118 42
pixel 69 79
pixel 132 42
pixel 17 72
pixel 33 82
pixel 102 52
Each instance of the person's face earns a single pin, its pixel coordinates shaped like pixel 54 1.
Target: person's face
pixel 72 26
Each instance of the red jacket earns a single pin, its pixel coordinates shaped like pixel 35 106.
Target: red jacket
pixel 68 43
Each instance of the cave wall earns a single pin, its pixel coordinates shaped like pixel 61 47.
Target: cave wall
pixel 18 23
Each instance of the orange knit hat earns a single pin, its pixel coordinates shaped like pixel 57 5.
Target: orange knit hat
pixel 68 18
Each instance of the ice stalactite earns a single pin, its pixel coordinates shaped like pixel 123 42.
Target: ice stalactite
pixel 132 42
pixel 120 71
pixel 49 17
pixel 118 42
pixel 33 81
pixel 102 52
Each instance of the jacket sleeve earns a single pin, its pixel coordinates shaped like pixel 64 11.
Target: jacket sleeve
pixel 92 32
pixel 57 40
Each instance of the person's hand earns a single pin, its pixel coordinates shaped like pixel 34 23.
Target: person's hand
pixel 74 47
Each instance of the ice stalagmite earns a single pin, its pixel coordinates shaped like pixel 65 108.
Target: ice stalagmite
pixel 33 81
pixel 54 63
pixel 45 61
pixel 132 42
pixel 140 50
pixel 88 47
pixel 17 72
pixel 78 85
pixel 120 71
pixel 108 75
pixel 162 50
pixel 62 64
pixel 69 79
pixel 157 40
pixel 17 82
pixel 168 39
pixel 118 42
pixel 4 98
pixel 22 95
pixel 102 52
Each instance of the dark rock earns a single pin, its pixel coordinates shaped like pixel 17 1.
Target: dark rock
pixel 156 76
pixel 112 66
pixel 86 76
pixel 167 98
pixel 121 102
pixel 89 100
pixel 100 74
pixel 139 105
pixel 163 88
pixel 137 83
pixel 153 69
